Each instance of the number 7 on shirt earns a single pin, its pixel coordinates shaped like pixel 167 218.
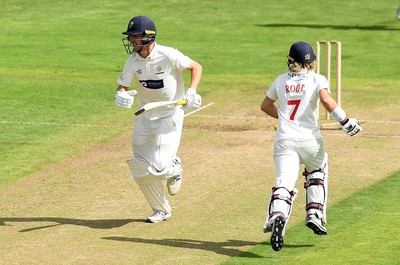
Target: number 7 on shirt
pixel 296 103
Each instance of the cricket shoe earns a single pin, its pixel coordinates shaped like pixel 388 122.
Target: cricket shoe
pixel 278 227
pixel 174 183
pixel 315 224
pixel 158 216
pixel 268 226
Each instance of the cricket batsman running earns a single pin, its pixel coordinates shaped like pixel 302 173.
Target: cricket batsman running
pixel 157 71
pixel 298 141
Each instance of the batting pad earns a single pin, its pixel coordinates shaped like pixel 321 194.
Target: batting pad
pixel 316 186
pixel 139 170
pixel 154 194
pixel 138 166
pixel 281 203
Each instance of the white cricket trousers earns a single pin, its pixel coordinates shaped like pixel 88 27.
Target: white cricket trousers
pixel 157 135
pixel 290 154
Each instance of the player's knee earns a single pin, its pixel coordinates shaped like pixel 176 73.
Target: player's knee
pixel 139 169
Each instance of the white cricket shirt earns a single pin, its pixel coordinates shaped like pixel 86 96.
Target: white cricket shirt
pixel 298 95
pixel 159 76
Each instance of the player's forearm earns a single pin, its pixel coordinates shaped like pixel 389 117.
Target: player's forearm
pixel 329 105
pixel 272 111
pixel 196 72
pixel 327 101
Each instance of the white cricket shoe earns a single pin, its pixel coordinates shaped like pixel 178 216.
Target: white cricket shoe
pixel 315 224
pixel 268 226
pixel 158 216
pixel 174 184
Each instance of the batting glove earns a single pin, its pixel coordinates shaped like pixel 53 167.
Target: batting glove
pixel 193 99
pixel 125 98
pixel 351 126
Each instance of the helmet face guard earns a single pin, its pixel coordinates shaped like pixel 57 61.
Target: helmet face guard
pixel 127 45
pixel 147 39
pixel 137 26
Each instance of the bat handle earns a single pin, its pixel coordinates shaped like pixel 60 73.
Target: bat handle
pixel 181 102
pixel 139 112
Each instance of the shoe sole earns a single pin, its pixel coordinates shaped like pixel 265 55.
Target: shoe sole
pixel 277 233
pixel 316 228
pixel 169 188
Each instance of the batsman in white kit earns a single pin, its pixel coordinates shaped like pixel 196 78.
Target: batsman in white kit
pixel 298 141
pixel 157 71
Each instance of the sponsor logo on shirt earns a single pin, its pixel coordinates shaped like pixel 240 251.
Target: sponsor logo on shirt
pixel 152 84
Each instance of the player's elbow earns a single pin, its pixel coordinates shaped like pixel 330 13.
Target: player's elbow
pixel 263 108
pixel 268 109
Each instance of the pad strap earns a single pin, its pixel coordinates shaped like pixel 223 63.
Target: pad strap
pixel 311 182
pixel 315 205
pixel 278 197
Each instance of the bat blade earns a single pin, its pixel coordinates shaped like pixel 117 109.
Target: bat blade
pixel 160 104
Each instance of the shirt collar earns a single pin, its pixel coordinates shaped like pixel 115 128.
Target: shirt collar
pixel 153 51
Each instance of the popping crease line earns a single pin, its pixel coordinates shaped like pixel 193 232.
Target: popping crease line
pixel 85 125
pixel 187 114
pixel 59 124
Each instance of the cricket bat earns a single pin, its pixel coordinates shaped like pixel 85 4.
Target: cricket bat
pixel 160 104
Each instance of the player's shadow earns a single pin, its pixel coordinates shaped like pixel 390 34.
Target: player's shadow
pixel 227 248
pixel 328 26
pixel 94 224
pixel 269 250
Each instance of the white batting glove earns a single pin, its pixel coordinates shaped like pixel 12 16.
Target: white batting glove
pixel 351 126
pixel 193 99
pixel 125 99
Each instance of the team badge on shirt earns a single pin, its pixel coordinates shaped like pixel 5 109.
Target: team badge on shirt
pixel 159 70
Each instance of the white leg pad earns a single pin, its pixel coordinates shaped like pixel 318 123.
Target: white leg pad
pixel 281 203
pixel 154 194
pixel 316 186
pixel 151 186
pixel 140 171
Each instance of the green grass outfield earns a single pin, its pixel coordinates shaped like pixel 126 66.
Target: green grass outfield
pixel 60 61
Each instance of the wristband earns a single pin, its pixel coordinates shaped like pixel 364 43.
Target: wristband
pixel 339 115
pixel 191 91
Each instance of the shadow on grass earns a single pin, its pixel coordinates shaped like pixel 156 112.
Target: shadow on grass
pixel 94 224
pixel 267 247
pixel 227 248
pixel 326 26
